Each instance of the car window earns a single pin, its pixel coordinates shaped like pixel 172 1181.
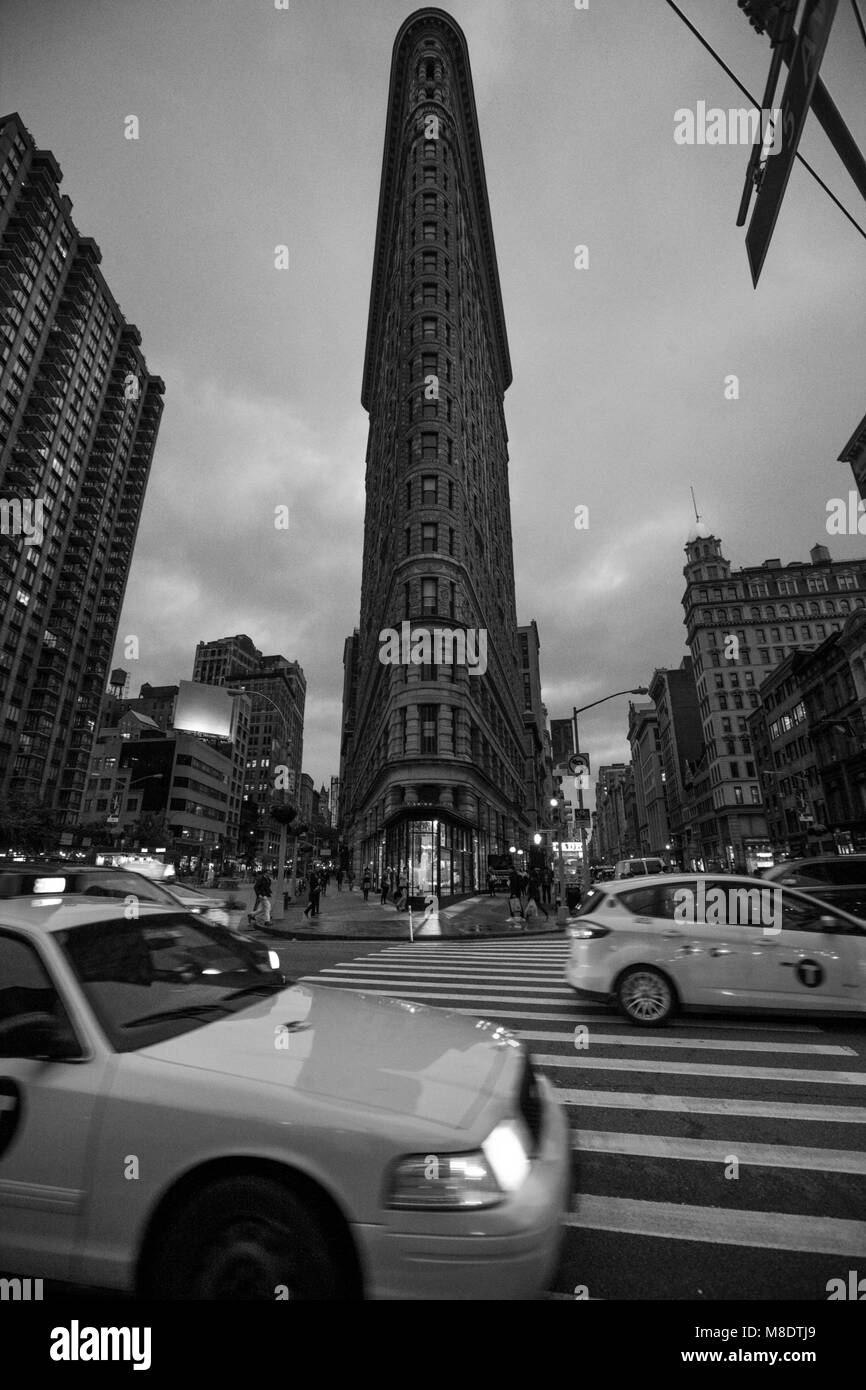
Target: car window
pixel 25 985
pixel 10 885
pixel 845 871
pixel 798 914
pixel 163 974
pixel 639 901
pixel 121 885
pixel 676 901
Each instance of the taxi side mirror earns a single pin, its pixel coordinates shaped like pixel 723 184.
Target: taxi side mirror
pixel 38 1036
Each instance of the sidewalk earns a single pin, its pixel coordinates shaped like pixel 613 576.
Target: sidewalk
pixel 345 916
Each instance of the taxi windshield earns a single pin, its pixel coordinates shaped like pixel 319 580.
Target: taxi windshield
pixel 154 977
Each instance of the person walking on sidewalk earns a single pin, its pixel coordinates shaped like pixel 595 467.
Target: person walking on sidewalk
pixel 351 878
pixel 312 908
pixel 491 883
pixel 399 892
pixel 535 892
pixel 386 886
pixel 366 881
pixel 546 882
pixel 339 878
pixel 515 890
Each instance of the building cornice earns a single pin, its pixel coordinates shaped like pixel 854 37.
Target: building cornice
pixel 448 32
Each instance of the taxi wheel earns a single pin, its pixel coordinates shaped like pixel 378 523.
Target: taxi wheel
pixel 247 1238
pixel 646 996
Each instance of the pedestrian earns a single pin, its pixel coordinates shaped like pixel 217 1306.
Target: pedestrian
pixel 339 878
pixel 323 882
pixel 491 883
pixel 515 890
pixel 312 908
pixel 386 886
pixel 546 882
pixel 366 883
pixel 261 914
pixel 398 892
pixel 262 889
pixel 351 878
pixel 535 892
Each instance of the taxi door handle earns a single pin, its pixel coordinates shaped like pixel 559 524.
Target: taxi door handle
pixel 671 935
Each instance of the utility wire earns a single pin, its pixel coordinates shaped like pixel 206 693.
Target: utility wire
pixel 859 19
pixel 747 93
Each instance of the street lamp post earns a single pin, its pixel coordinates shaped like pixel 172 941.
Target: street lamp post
pixel 562 909
pixel 584 862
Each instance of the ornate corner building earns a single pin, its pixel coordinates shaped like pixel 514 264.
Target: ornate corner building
pixel 436 757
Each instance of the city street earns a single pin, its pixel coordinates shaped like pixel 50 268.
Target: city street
pixel 658 1118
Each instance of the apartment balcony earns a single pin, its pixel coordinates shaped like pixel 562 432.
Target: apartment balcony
pixel 50 659
pixel 23 476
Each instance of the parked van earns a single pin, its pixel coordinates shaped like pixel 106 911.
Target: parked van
pixel 636 868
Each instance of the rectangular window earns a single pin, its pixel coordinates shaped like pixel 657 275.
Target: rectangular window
pixel 429 447
pixel 429 537
pixel 429 596
pixel 428 295
pixel 428 489
pixel 429 328
pixel 428 729
pixel 429 231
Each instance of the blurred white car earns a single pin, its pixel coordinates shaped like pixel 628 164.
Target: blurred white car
pixel 176 1121
pixel 655 945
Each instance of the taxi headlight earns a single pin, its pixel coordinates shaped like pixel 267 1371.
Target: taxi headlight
pixel 444 1182
pixel 506 1152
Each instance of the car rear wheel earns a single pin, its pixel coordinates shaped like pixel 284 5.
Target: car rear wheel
pixel 646 996
pixel 247 1238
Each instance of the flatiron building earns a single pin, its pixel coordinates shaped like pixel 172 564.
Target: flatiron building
pixel 436 756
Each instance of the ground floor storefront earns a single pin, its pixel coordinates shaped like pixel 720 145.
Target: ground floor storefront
pixel 442 855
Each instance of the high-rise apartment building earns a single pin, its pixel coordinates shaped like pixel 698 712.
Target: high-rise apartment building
pixel 79 416
pixel 740 625
pixel 277 692
pixel 433 771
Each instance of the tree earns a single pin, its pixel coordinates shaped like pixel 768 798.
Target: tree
pixel 151 829
pixel 27 823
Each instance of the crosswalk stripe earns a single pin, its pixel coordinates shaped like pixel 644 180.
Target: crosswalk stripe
pixel 429 972
pixel 713 1105
pixel 427 995
pixel 583 1007
pixel 764 1230
pixel 728 1073
pixel 718 1151
pixel 459 985
pixel 599 1039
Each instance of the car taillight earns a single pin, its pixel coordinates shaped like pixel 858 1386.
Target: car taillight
pixel 588 933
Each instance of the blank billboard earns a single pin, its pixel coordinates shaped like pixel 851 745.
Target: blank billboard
pixel 204 709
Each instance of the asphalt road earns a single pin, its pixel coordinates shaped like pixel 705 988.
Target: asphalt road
pixel 718 1158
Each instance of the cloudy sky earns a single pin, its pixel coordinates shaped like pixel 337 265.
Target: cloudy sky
pixel 261 126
